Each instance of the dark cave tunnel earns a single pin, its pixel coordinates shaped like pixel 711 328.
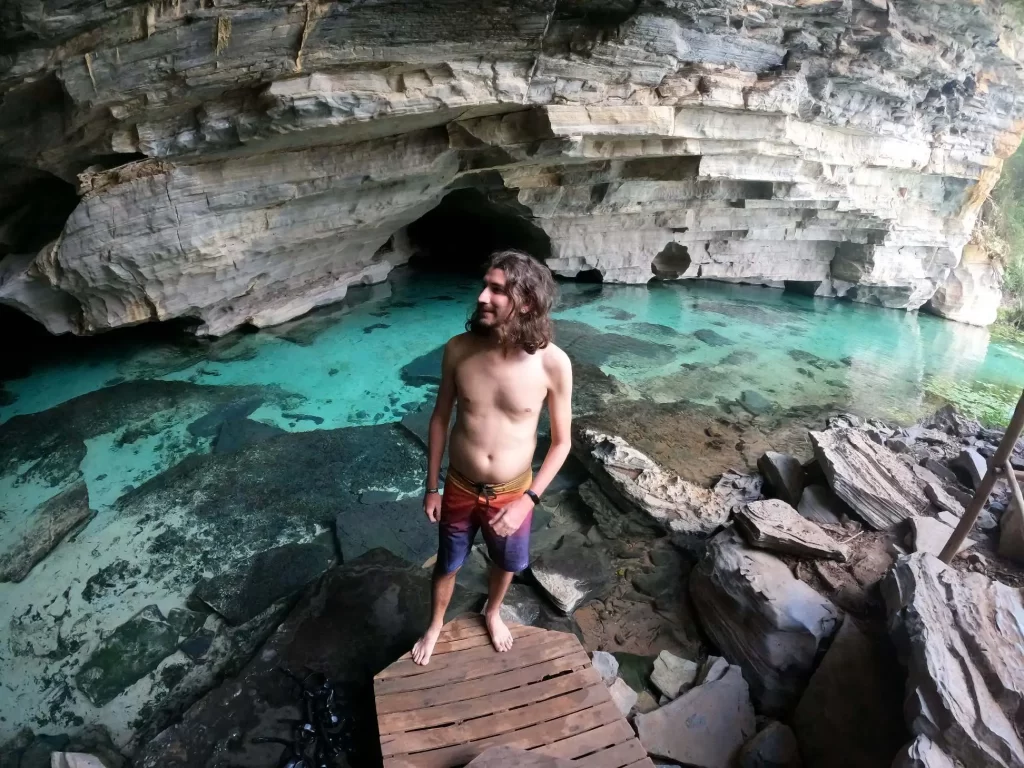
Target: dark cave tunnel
pixel 469 225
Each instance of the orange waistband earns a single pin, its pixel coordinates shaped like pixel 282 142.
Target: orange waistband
pixel 515 485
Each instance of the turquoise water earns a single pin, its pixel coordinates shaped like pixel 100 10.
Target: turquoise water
pixel 343 366
pixel 701 343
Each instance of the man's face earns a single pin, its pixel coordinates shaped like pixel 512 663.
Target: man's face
pixel 493 305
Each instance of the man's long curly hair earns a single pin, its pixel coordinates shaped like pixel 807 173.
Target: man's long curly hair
pixel 529 284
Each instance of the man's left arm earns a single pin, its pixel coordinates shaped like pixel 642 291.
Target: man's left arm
pixel 559 400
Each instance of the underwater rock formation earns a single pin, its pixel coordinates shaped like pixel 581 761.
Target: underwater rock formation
pixel 242 164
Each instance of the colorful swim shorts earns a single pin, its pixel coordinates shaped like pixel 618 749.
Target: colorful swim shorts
pixel 467 507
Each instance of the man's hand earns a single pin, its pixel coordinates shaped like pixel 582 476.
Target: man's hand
pixel 511 516
pixel 432 506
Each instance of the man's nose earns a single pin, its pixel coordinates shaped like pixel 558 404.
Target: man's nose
pixel 484 297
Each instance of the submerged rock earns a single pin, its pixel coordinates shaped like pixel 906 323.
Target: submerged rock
pixel 761 617
pixel 869 477
pixel 850 713
pixel 705 727
pixel 773 524
pixel 131 651
pixel 398 526
pixel 30 537
pixel 243 593
pixel 959 637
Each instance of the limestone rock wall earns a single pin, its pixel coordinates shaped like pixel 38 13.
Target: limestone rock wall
pixel 242 162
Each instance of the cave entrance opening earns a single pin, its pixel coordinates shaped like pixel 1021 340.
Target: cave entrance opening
pixel 469 225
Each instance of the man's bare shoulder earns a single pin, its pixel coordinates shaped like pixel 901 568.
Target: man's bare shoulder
pixel 458 346
pixel 556 362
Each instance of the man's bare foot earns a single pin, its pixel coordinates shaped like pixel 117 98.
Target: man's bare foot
pixel 425 646
pixel 501 638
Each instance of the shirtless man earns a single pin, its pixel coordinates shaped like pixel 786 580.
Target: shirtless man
pixel 500 373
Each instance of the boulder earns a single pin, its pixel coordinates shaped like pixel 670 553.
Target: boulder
pixel 244 592
pixel 930 535
pixel 521 605
pixel 773 747
pixel 819 505
pixel 673 675
pixel 761 617
pixel 850 714
pixel 784 474
pixel 635 482
pixel 572 574
pixel 774 525
pixel 922 752
pixel 606 665
pixel 625 698
pixel 705 727
pixel 937 495
pixel 76 760
pixel 960 638
pixel 869 477
pixel 972 465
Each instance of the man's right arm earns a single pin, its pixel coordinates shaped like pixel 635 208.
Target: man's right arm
pixel 440 419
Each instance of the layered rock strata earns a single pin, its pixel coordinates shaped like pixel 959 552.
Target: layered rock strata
pixel 244 162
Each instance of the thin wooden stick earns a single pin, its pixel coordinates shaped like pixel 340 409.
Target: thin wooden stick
pixel 983 490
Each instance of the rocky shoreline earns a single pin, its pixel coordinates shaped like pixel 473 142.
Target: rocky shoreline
pixel 777 618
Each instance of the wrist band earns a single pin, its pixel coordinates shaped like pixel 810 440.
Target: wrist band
pixel 432 490
pixel 534 496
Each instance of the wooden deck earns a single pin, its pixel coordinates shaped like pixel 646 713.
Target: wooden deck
pixel 543 696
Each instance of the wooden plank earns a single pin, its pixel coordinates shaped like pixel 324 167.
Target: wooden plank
pixel 472 689
pixel 623 754
pixel 496 724
pixel 527 738
pixel 507 757
pixel 608 735
pixel 517 630
pixel 555 645
pixel 463 627
pixel 493 702
pixel 409 668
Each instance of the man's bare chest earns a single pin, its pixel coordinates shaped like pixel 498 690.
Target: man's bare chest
pixel 516 388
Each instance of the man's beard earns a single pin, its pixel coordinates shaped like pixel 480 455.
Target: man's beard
pixel 481 328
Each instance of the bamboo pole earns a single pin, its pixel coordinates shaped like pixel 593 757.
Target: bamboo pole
pixel 984 489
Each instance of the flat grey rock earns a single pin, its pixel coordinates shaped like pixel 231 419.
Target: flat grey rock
pixel 930 535
pixel 673 675
pixel 705 727
pixel 30 535
pixel 774 525
pixel 606 664
pixel 625 698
